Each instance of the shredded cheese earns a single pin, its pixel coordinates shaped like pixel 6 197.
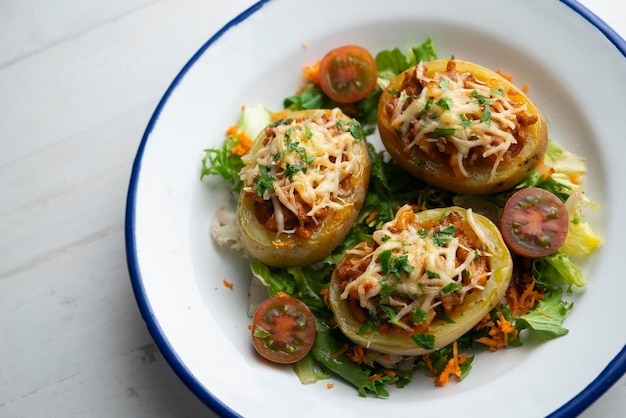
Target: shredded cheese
pixel 459 111
pixel 433 265
pixel 306 161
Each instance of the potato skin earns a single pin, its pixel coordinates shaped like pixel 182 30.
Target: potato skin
pixel 293 250
pixel 467 315
pixel 439 173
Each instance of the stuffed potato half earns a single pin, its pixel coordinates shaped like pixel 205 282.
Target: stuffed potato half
pixel 305 179
pixel 461 127
pixel 425 280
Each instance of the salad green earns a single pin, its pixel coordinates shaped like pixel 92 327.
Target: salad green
pixel 390 187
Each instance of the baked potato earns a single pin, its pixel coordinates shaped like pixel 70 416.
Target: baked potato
pixel 304 181
pixel 461 127
pixel 424 280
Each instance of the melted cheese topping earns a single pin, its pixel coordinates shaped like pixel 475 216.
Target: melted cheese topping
pixel 305 160
pixel 434 265
pixel 460 111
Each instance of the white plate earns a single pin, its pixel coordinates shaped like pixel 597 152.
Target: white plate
pixel 575 68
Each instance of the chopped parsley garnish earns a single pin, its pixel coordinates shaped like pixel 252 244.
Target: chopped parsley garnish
pixel 392 317
pixel 451 288
pixel 486 115
pixel 444 83
pixel 425 341
pixel 444 236
pixel 418 315
pixel 465 122
pixel 292 169
pixel 432 274
pixel 444 103
pixel 264 182
pixel 427 107
pixel 444 131
pixel 394 266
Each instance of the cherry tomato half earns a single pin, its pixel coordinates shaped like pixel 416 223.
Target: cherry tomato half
pixel 348 74
pixel 283 329
pixel 534 223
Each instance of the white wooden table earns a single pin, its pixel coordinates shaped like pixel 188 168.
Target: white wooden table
pixel 78 83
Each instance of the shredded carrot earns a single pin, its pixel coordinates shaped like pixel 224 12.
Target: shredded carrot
pixel 500 334
pixel 232 130
pixel 575 179
pixel 227 284
pixel 312 73
pixel 371 218
pixel 280 115
pixel 339 352
pixel 242 141
pixel 504 75
pixel 282 294
pixel 521 304
pixel 376 376
pixel 484 322
pixel 429 365
pixel 452 368
pixel 324 295
pixel 329 385
pixel 243 145
pixel 356 353
pixel 508 77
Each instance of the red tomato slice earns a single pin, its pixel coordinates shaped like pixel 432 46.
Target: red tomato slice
pixel 283 329
pixel 348 74
pixel 534 223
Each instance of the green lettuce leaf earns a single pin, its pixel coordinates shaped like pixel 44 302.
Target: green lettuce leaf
pixel 580 238
pixel 569 169
pixel 547 318
pixel 557 270
pixel 226 164
pixel 392 62
pixel 292 281
pixel 325 348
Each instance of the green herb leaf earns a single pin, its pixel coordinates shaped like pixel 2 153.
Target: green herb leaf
pixel 264 182
pixel 465 122
pixel 444 131
pixel 424 52
pixel 292 169
pixel 486 115
pixel 392 317
pixel 444 236
pixel 425 341
pixel 451 288
pixel 547 317
pixel 427 107
pixel 557 269
pixel 418 315
pixel 444 103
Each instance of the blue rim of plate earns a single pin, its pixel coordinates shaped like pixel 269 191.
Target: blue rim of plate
pixel 611 373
